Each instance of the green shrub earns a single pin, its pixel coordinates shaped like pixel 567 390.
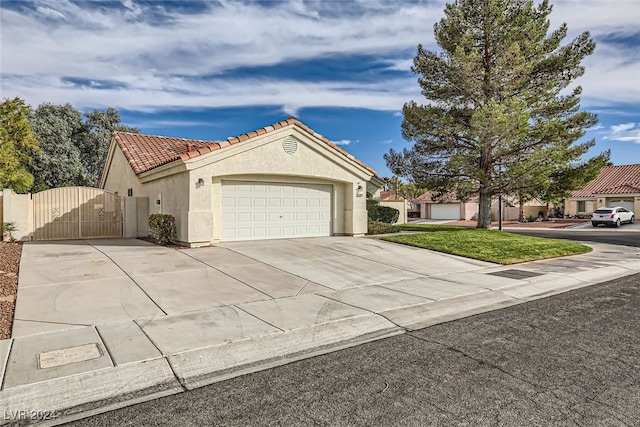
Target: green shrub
pixel 379 227
pixel 10 228
pixel 375 212
pixel 531 218
pixel 162 228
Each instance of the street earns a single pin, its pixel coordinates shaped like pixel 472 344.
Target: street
pixel 571 359
pixel 627 235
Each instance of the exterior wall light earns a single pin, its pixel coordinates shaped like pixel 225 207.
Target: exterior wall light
pixel 200 182
pixel 359 191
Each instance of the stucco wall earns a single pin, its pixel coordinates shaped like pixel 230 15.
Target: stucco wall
pixel 17 208
pixel 400 205
pixel 121 177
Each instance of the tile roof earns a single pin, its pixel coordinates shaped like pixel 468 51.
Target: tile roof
pixel 147 152
pixel 613 180
pixel 450 197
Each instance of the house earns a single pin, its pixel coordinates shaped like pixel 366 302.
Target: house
pixel 447 207
pixel 281 181
pixel 450 208
pixel 614 186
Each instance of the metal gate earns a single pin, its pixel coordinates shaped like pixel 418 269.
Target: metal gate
pixel 76 213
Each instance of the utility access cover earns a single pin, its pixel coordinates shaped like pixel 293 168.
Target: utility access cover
pixel 65 356
pixel 515 274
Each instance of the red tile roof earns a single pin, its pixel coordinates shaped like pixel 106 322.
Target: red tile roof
pixel 147 152
pixel 428 197
pixel 613 180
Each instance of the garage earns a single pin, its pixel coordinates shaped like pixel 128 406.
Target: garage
pixel 445 211
pixel 628 204
pixel 258 210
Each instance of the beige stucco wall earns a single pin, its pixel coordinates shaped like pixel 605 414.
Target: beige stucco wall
pixel 17 208
pixel 197 207
pixel 400 205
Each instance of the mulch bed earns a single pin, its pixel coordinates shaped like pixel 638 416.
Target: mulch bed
pixel 9 266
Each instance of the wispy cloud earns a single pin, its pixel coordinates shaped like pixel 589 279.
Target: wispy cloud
pixel 182 54
pixel 387 141
pixel 343 142
pixel 623 127
pixel 626 132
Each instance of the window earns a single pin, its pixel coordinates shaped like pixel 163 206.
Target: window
pixel 581 206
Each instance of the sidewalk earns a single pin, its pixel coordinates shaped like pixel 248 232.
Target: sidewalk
pixel 108 323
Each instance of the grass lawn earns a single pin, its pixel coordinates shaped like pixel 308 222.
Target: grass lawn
pixel 486 245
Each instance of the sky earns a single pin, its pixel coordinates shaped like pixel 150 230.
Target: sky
pixel 215 69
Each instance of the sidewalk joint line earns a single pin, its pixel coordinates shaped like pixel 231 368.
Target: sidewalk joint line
pixel 165 357
pixel 256 317
pixel 5 364
pixel 104 344
pixel 365 309
pixel 228 275
pixel 130 277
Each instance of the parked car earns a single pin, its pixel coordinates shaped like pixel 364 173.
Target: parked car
pixel 615 216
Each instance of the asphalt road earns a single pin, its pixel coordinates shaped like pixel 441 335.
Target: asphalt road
pixel 626 235
pixel 572 359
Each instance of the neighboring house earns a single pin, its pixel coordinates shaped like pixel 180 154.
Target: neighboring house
pixel 614 186
pixel 283 180
pixel 448 207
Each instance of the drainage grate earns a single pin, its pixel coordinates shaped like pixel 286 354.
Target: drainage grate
pixel 515 274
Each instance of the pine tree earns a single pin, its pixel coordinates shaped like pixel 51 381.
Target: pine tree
pixel 501 117
pixel 17 144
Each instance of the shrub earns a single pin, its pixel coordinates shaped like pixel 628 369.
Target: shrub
pixel 162 228
pixel 386 214
pixel 379 227
pixel 9 228
pixel 531 218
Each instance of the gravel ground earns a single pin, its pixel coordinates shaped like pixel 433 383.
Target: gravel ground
pixel 9 266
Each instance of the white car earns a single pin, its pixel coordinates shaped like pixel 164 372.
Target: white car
pixel 615 216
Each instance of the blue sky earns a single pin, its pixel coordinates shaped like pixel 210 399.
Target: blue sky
pixel 215 69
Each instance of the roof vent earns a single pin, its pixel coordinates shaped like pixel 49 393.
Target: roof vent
pixel 290 145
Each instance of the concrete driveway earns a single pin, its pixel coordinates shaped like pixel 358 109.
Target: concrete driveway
pixel 68 284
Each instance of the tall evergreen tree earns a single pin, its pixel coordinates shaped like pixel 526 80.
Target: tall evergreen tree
pixel 58 164
pixel 93 144
pixel 17 144
pixel 500 117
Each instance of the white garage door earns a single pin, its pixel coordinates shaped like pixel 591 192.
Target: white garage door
pixel 255 210
pixel 624 203
pixel 445 211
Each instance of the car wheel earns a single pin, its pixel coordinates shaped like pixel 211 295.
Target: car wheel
pixel 618 223
pixel 595 224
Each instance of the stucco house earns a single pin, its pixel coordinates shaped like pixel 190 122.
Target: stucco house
pixel 614 186
pixel 447 207
pixel 281 181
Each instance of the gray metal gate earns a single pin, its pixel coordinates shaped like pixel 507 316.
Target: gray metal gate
pixel 76 213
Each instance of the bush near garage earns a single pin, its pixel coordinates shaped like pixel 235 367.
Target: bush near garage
pixel 379 213
pixel 379 227
pixel 162 228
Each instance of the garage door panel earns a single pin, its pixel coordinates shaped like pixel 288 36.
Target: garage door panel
pixel 628 204
pixel 278 210
pixel 445 211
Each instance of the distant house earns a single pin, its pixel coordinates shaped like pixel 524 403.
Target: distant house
pixel 614 186
pixel 448 207
pixel 280 181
